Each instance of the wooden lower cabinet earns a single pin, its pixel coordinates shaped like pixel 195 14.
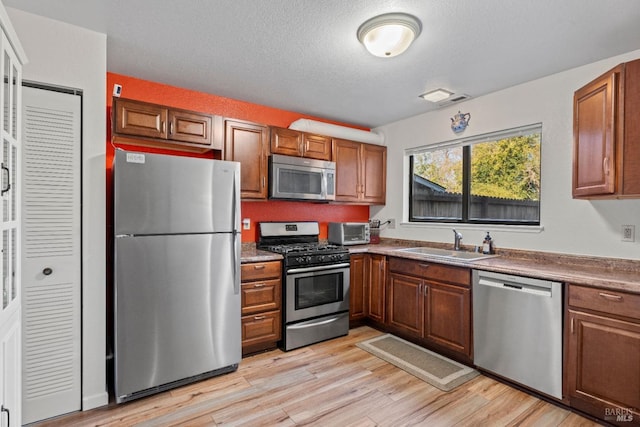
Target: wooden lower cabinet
pixel 376 267
pixel 431 303
pixel 260 331
pixel 448 317
pixel 261 292
pixel 357 281
pixel 367 288
pixel 406 303
pixel 603 359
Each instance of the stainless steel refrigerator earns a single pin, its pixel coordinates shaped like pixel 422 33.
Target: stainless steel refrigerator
pixel 176 271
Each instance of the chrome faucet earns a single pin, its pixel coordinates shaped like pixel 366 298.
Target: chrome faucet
pixel 457 239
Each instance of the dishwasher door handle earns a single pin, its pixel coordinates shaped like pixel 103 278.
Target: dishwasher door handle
pixel 542 291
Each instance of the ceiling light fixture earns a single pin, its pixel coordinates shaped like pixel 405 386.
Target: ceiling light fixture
pixel 390 34
pixel 436 95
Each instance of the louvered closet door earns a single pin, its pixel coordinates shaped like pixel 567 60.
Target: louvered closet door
pixel 51 254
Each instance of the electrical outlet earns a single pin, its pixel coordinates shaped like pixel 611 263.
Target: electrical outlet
pixel 392 223
pixel 628 233
pixel 246 224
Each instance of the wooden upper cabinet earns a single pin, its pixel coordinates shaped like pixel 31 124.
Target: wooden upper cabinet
pixel 316 146
pixel 248 143
pixel 300 144
pixel 286 141
pixel 140 119
pixel 374 174
pixel 190 127
pixel 361 172
pixel 143 123
pixel 606 149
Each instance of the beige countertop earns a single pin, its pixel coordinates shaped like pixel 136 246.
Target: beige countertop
pixel 608 273
pixel 251 254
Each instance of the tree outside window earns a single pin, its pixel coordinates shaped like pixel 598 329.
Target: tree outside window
pixel 490 180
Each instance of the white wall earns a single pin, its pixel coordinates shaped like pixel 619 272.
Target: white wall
pixel 65 55
pixel 579 227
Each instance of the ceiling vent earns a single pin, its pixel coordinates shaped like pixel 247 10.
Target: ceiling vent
pixel 453 99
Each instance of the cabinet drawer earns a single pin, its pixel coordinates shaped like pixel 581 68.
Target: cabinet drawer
pixel 261 296
pixel 606 301
pixel 431 270
pixel 260 328
pixel 260 270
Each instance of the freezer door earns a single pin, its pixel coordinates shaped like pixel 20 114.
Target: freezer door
pixel 163 194
pixel 177 308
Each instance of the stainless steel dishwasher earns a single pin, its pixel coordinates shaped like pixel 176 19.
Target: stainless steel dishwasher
pixel 517 329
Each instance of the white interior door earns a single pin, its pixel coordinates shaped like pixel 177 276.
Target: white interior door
pixel 51 257
pixel 10 301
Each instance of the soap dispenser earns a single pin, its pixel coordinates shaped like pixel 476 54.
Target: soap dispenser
pixel 487 244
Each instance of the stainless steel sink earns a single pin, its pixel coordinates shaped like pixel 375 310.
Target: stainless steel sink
pixel 447 253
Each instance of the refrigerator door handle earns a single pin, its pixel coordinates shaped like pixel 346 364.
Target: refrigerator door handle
pixel 237 234
pixel 236 261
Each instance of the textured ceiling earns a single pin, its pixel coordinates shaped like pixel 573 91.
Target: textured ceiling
pixel 303 55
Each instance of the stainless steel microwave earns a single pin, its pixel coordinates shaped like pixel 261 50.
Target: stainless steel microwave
pixel 349 233
pixel 299 178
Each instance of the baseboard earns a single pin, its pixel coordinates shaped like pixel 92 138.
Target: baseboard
pixel 95 401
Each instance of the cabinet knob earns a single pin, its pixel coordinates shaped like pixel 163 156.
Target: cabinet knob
pixel 47 271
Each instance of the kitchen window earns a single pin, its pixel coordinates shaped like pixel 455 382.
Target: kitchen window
pixel 488 179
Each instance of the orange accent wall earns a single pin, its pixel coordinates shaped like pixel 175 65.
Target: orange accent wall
pixel 257 211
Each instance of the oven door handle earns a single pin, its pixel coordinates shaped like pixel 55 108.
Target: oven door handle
pixel 306 325
pixel 318 268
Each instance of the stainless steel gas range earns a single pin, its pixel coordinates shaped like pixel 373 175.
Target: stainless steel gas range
pixel 316 282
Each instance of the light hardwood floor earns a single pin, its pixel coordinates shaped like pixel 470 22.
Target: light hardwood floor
pixel 329 384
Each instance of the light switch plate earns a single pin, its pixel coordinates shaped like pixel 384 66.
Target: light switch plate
pixel 246 224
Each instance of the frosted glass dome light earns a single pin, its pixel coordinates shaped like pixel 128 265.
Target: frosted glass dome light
pixel 390 34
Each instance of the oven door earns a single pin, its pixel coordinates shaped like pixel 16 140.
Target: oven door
pixel 315 291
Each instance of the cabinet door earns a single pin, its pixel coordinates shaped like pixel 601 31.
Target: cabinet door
pixel 448 317
pixel 346 154
pixel 376 269
pixel 316 146
pixel 190 127
pixel 10 367
pixel 264 295
pixel 140 119
pixel 260 329
pixel 357 280
pixel 595 132
pixel 603 365
pixel 374 174
pixel 247 143
pixel 406 306
pixel 286 141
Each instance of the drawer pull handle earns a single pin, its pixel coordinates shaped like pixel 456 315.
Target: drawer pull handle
pixel 611 297
pixel 259 317
pixel 424 265
pixel 259 285
pixel 259 267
